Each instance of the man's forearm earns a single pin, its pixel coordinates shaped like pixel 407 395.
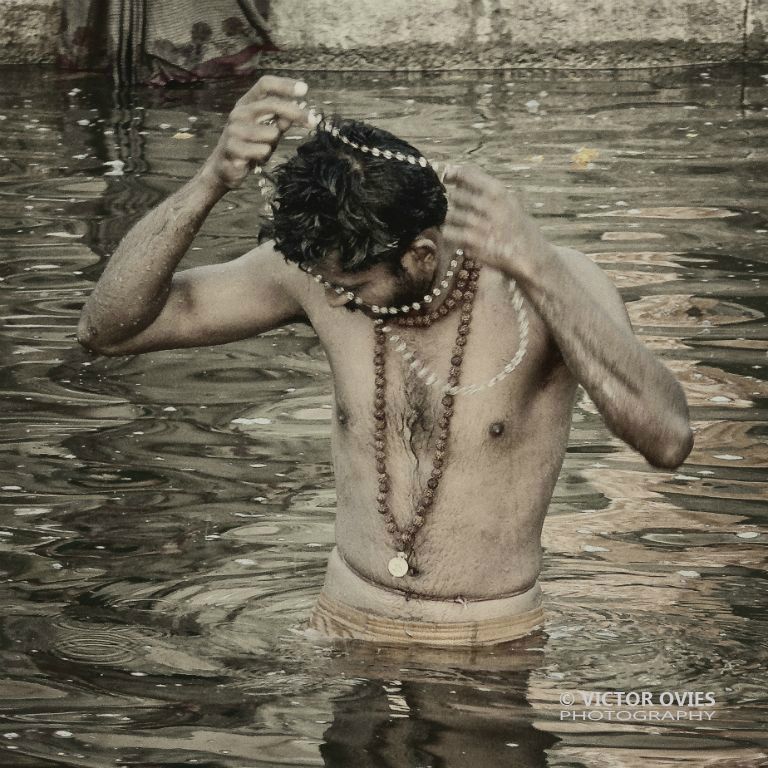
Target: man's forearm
pixel 639 398
pixel 135 284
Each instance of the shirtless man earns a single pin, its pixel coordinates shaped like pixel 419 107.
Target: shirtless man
pixel 376 228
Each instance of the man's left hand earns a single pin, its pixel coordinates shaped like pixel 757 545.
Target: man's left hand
pixel 488 221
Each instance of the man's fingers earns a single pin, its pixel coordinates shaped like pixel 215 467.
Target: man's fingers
pixel 270 85
pixel 460 236
pixel 468 177
pixel 464 200
pixel 273 108
pixel 249 150
pixel 463 218
pixel 265 134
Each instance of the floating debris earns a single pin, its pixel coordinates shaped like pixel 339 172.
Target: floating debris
pixel 690 574
pixel 631 236
pixel 24 511
pixel 668 212
pixel 117 167
pixel 248 422
pixel 582 160
pixel 532 105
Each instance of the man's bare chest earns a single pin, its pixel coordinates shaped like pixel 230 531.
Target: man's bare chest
pixel 414 407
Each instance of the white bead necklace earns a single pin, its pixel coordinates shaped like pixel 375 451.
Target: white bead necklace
pixel 376 152
pixel 375 308
pixel 328 127
pixel 423 371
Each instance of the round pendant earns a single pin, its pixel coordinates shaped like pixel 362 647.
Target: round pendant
pixel 398 565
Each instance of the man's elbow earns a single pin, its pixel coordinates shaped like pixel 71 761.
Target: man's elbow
pixel 89 340
pixel 672 452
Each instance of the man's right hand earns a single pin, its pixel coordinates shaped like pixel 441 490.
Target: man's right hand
pixel 254 127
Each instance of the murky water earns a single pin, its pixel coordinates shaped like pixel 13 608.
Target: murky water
pixel 158 557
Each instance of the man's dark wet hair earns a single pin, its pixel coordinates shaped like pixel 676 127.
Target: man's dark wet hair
pixel 332 197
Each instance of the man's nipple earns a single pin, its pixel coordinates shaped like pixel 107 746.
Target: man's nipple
pixel 496 429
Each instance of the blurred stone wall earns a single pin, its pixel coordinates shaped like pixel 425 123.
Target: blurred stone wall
pixel 348 34
pixel 28 31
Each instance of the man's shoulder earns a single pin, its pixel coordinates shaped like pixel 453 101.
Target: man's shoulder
pixel 266 259
pixel 596 282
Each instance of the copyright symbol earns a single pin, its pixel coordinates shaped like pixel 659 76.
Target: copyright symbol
pixel 566 699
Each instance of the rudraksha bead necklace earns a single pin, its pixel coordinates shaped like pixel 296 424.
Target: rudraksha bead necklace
pixel 403 538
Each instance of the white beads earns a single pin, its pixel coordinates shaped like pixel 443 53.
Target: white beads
pixel 375 308
pixel 319 121
pixel 433 379
pixel 375 151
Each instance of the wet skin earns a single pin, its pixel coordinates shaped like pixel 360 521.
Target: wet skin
pixel 481 537
pixel 482 534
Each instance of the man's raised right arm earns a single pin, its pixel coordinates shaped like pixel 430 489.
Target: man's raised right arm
pixel 141 303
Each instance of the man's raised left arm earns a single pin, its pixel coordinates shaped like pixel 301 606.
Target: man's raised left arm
pixel 639 398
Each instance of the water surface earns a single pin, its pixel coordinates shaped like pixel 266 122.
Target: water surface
pixel 166 518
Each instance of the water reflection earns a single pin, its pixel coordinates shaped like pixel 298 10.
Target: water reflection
pixel 166 519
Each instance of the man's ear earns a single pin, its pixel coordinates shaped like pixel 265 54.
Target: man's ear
pixel 421 256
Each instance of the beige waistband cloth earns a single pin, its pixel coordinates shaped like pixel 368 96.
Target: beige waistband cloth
pixel 352 606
